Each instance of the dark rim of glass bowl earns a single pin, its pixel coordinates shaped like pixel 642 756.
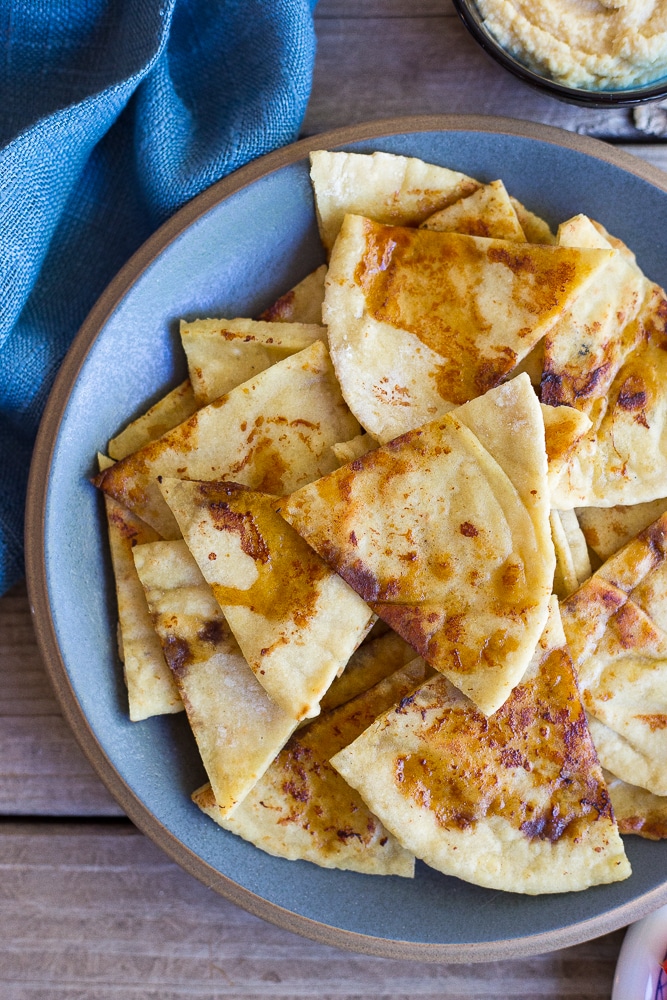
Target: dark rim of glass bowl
pixel 469 14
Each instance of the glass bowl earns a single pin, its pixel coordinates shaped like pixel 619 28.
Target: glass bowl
pixel 622 97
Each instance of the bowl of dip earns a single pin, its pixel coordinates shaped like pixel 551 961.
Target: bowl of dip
pixel 592 52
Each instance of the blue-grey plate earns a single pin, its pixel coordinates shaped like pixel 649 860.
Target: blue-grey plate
pixel 232 251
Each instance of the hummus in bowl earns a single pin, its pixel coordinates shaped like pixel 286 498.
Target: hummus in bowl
pixel 587 44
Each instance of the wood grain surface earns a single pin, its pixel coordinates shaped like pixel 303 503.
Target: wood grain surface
pixel 89 908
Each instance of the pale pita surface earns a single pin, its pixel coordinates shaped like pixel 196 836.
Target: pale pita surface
pixel 490 800
pixel 273 433
pixel 400 190
pixel 451 550
pixel 168 412
pixel 486 212
pixel 420 321
pixel 301 304
pixel 638 811
pixel 238 728
pixel 303 809
pixel 607 529
pixel 616 626
pixel 224 353
pixel 296 621
pixel 150 686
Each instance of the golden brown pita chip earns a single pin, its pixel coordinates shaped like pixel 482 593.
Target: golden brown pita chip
pixel 168 412
pixel 400 190
pixel 296 621
pixel 420 321
pixel 150 686
pixel 607 529
pixel 535 228
pixel 615 626
pixel 303 809
pixel 453 552
pixel 515 802
pixel 273 433
pixel 488 212
pixel 369 664
pixel 573 564
pixel 638 811
pixel 238 728
pixel 585 348
pixel 224 353
pixel 347 451
pixel 564 428
pixel 302 304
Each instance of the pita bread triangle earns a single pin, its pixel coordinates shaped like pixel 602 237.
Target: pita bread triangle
pixel 303 809
pixel 453 552
pixel 150 686
pixel 616 627
pixel 486 212
pixel 296 621
pixel 238 728
pixel 273 433
pixel 490 800
pixel 421 321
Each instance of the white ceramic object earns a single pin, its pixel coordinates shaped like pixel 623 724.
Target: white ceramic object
pixel 639 974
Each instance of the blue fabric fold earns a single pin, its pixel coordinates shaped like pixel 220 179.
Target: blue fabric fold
pixel 113 114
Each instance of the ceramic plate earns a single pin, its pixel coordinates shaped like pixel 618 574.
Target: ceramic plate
pixel 231 252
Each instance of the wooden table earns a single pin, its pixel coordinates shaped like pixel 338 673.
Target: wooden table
pixel 89 907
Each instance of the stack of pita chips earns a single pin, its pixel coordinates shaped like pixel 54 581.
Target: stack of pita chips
pixel 374 449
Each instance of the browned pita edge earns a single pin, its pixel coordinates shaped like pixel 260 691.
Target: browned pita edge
pixel 515 801
pixel 486 212
pixel 296 621
pixel 607 529
pixel 369 664
pixel 637 811
pixel 303 809
pixel 620 614
pixel 244 436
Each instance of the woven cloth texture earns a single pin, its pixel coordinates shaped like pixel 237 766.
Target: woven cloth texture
pixel 113 114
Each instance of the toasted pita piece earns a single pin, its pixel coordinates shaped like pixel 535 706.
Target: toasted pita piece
pixel 273 433
pixel 168 412
pixel 450 550
pixel 347 451
pixel 238 728
pixel 368 665
pixel 621 459
pixel 420 321
pixel 302 304
pixel 296 621
pixel 224 353
pixel 532 364
pixel 302 809
pixel 488 211
pixel 535 228
pixel 607 529
pixel 515 802
pixel 616 629
pixel 564 428
pixel 150 687
pixel 565 576
pixel 637 811
pixel 400 190
pixel 585 348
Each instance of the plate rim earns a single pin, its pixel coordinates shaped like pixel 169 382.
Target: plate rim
pixel 35 564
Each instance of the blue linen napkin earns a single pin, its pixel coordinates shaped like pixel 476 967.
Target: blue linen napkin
pixel 113 114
